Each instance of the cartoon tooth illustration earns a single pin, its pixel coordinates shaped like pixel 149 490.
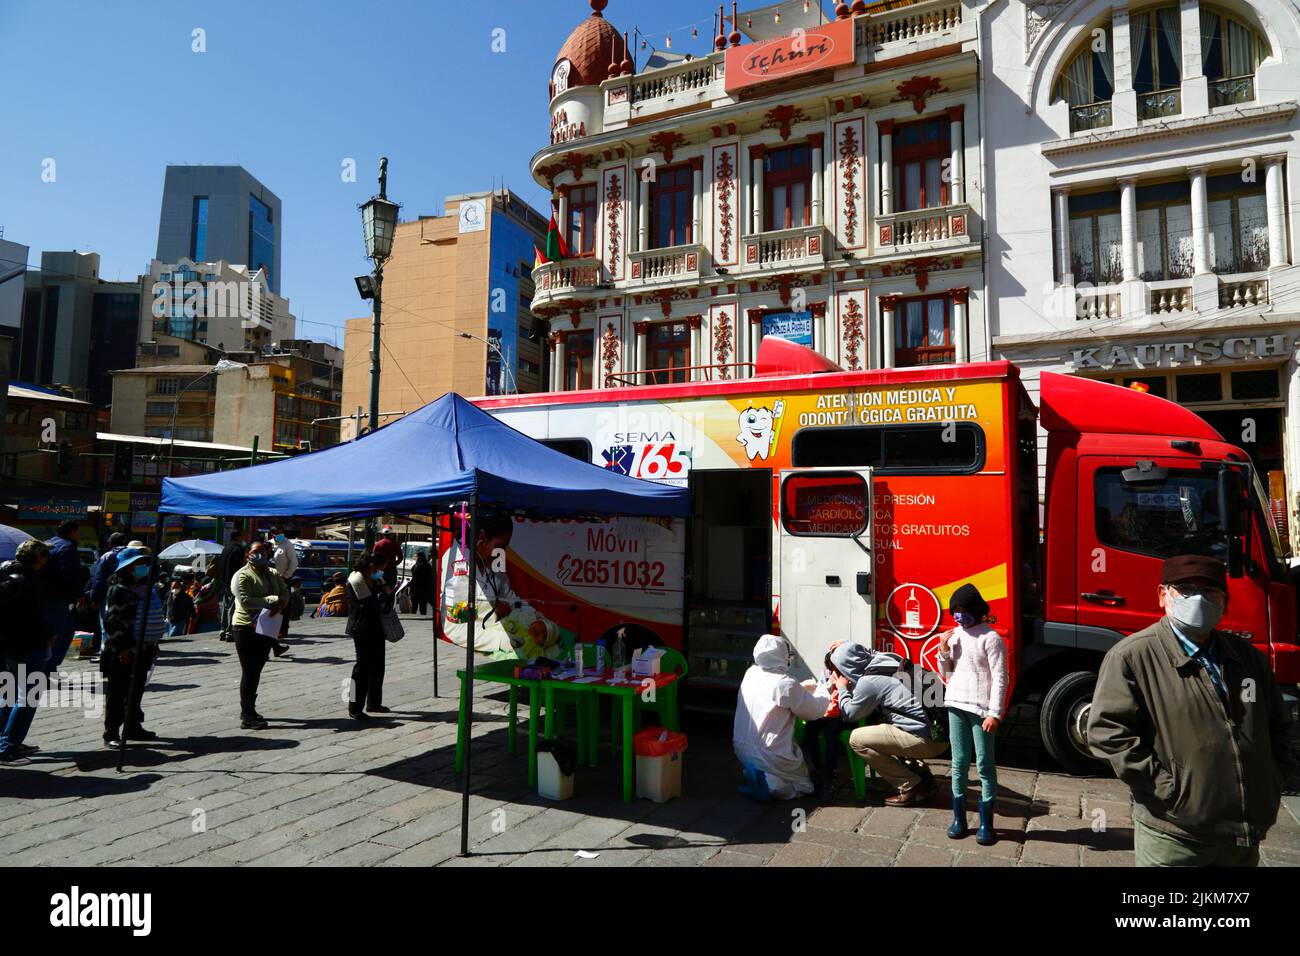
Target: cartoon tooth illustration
pixel 756 432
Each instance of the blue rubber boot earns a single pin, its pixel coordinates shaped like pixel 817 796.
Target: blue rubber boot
pixel 985 836
pixel 756 784
pixel 958 828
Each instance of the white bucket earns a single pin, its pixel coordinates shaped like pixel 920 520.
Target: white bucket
pixel 659 778
pixel 552 784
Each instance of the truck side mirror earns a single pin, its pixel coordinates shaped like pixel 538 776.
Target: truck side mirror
pixel 1232 513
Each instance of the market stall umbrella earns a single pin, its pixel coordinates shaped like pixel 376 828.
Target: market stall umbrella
pixel 189 549
pixel 10 539
pixel 445 455
pixel 184 550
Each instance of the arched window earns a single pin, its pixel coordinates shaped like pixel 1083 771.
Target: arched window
pixel 1155 50
pixel 1087 83
pixel 1230 52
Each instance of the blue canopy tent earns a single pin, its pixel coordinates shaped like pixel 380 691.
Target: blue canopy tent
pixel 445 455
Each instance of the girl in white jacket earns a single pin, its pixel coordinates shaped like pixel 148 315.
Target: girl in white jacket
pixel 973 660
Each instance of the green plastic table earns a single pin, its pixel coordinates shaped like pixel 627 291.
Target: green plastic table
pixel 589 728
pixel 587 703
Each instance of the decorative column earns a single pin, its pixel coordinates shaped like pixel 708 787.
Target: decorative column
pixel 1200 221
pixel 756 154
pixel 1275 200
pixel 1195 92
pixel 1061 203
pixel 755 337
pixel 886 128
pixel 816 141
pixel 888 306
pixel 1123 100
pixel 957 167
pixel 642 330
pixel 562 211
pixel 960 336
pixel 553 378
pixel 697 199
pixel 1128 227
pixel 696 358
pixel 642 214
pixel 561 369
pixel 1205 284
pixel 820 342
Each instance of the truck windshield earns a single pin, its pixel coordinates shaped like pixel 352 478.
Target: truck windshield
pixel 1177 515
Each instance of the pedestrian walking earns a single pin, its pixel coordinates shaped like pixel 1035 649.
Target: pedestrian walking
pixel 180 609
pixel 233 557
pixel 421 583
pixel 258 587
pixel 100 572
pixel 973 659
pixel 369 598
pixel 25 641
pixel 129 598
pixel 1191 718
pixel 64 582
pixel 285 559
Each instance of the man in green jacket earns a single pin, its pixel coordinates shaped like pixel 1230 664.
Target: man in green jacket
pixel 258 587
pixel 1192 720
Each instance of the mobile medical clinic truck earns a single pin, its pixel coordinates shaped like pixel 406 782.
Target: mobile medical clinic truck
pixel 850 505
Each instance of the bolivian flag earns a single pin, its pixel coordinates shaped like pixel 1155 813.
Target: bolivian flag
pixel 554 248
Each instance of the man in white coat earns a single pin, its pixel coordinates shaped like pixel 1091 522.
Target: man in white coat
pixel 769 702
pixel 505 626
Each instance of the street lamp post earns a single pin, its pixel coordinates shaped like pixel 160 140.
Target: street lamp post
pixel 509 377
pixel 378 224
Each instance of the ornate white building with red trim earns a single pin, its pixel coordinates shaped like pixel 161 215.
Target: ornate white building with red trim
pixel 820 181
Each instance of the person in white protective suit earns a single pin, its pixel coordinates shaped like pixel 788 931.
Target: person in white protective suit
pixel 767 706
pixel 505 626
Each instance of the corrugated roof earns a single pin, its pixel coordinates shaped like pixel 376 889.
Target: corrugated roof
pixel 37 394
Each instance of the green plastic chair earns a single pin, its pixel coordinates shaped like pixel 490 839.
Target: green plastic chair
pixel 858 768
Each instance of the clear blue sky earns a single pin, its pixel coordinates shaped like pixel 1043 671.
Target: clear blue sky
pixel 288 89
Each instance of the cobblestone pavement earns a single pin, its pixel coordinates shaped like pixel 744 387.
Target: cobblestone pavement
pixel 316 788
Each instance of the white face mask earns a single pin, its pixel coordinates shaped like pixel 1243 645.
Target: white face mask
pixel 1195 614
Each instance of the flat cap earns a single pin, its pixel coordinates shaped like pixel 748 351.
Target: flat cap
pixel 1195 569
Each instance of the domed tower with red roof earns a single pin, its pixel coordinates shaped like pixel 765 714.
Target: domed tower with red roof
pixel 594 52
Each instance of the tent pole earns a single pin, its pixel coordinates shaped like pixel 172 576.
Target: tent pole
pixel 437 606
pixel 468 684
pixel 136 677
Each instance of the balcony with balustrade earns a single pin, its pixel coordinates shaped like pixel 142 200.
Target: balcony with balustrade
pixel 568 281
pixel 783 250
pixel 925 230
pixel 889 34
pixel 667 265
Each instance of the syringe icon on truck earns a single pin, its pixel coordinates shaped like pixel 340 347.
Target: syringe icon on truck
pixel 881 492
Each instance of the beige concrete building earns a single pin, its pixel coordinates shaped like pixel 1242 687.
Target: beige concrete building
pixel 276 399
pixel 464 273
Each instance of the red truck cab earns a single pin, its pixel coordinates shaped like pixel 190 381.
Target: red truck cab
pixel 1131 480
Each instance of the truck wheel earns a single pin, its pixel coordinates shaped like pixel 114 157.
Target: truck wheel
pixel 1063 722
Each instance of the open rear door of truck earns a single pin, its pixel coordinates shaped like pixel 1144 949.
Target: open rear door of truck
pixel 827 585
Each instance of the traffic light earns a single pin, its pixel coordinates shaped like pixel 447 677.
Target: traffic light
pixel 64 457
pixel 123 463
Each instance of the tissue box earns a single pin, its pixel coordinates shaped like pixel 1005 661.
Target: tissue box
pixel 645 661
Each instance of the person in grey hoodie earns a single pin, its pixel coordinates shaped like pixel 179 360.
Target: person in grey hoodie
pixel 869 683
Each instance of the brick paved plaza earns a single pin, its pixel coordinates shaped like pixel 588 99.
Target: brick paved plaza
pixel 317 788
